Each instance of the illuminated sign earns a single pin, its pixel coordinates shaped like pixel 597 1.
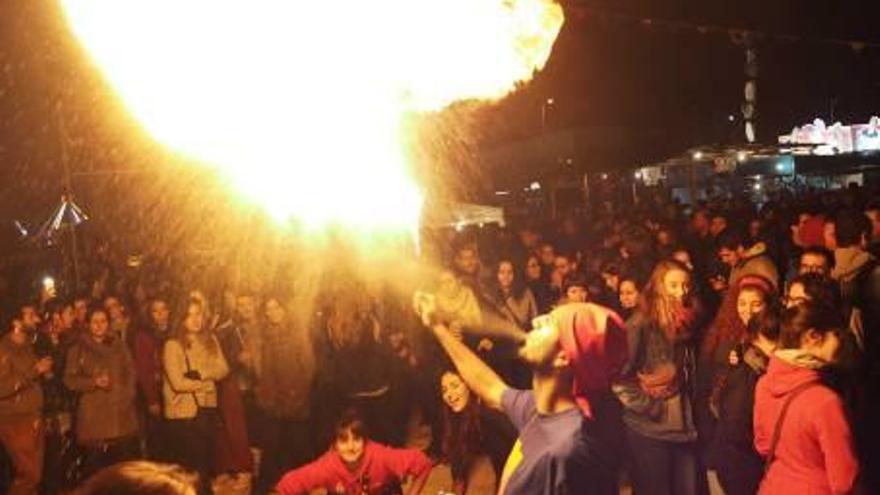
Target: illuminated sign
pixel 836 138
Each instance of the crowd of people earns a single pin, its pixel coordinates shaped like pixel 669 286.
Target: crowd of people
pixel 680 349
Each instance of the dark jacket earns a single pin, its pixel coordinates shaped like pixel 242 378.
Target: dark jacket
pixel 866 298
pixel 57 397
pixel 671 417
pixel 235 339
pixel 148 344
pixel 732 450
pixel 288 371
pixel 21 397
pixel 109 414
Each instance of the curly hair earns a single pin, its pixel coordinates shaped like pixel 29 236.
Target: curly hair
pixel 727 326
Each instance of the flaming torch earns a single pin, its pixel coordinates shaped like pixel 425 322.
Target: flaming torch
pixel 300 104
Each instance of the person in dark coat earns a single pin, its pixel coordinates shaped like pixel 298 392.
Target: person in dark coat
pixel 732 450
pixel 100 369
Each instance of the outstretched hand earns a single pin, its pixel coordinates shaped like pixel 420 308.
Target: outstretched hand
pixel 425 305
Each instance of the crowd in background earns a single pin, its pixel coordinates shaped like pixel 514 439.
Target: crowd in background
pixel 753 333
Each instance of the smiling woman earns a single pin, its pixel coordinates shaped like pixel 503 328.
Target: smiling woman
pixel 302 107
pixel 470 431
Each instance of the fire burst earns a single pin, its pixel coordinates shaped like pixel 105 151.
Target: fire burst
pixel 300 103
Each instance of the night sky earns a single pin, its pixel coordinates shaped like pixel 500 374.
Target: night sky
pixel 663 90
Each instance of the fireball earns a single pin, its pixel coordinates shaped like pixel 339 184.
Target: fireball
pixel 300 104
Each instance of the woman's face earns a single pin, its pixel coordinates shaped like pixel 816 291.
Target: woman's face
pixel 612 281
pixel 749 303
pixel 350 447
pixel 664 237
pixel 822 347
pixel 274 311
pixel 455 393
pixel 533 269
pixel 194 317
pixel 629 294
pixel 676 284
pixel 754 229
pixel 448 284
pixel 577 294
pixel 99 325
pixel 797 295
pixel 548 254
pixel 505 274
pixel 829 235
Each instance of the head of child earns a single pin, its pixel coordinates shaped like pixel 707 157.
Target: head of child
pixel 349 438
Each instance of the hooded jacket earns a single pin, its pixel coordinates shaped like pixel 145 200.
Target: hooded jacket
pixel 378 470
pixel 102 414
pixel 849 262
pixel 21 397
pixel 814 455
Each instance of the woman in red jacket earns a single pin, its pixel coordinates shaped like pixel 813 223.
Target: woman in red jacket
pixel 354 465
pixel 800 424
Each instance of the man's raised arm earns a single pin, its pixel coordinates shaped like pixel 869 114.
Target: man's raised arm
pixel 478 376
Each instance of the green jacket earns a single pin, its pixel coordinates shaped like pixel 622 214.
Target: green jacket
pixel 102 414
pixel 21 396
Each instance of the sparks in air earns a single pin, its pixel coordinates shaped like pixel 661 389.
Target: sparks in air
pixel 300 104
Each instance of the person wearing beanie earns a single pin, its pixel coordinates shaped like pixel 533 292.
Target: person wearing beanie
pixel 574 352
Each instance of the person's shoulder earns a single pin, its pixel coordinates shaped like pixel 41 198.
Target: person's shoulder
pixel 173 345
pixel 637 322
pixel 76 345
pixel 822 397
pixel 514 398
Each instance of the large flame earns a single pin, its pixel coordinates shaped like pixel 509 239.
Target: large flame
pixel 300 102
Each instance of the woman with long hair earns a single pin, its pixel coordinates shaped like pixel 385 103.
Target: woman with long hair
pixel 800 424
pixel 538 283
pixel 656 386
pixel 749 296
pixel 516 305
pixel 470 431
pixel 193 364
pixel 514 299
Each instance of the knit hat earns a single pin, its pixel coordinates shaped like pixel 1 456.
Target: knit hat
pixel 594 340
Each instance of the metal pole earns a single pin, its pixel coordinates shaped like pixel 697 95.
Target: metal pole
pixel 68 196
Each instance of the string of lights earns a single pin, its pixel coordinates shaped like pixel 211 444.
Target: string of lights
pixel 738 35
